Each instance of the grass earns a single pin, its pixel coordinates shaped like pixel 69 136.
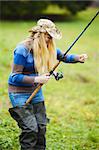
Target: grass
pixel 72 103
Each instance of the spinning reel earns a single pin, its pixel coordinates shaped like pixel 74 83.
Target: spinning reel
pixel 58 75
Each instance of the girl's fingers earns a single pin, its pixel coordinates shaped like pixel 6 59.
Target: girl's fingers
pixel 47 74
pixel 83 57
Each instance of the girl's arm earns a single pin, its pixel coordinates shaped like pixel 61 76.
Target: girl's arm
pixel 17 72
pixel 71 58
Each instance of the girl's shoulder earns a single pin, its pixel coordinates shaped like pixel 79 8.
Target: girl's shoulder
pixel 21 50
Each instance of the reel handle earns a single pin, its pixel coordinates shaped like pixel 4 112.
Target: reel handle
pixel 58 75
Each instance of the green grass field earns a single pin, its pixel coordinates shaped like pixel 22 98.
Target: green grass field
pixel 73 102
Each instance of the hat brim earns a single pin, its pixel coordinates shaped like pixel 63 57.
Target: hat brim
pixel 55 33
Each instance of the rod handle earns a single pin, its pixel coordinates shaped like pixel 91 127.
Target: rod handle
pixel 33 94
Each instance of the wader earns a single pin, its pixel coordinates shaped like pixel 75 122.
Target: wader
pixel 32 120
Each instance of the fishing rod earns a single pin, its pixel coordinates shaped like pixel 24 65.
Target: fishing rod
pixel 52 71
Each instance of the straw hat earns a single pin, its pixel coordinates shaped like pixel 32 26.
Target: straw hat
pixel 45 25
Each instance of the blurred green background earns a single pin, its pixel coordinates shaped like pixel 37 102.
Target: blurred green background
pixel 73 102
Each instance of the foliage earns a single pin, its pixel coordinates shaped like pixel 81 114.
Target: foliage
pixel 21 9
pixel 73 102
pixel 73 6
pixel 29 9
pixel 8 132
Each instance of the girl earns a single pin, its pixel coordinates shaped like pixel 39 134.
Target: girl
pixel 33 59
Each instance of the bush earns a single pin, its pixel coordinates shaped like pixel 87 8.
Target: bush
pixel 27 9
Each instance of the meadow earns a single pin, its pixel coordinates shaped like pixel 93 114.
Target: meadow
pixel 73 102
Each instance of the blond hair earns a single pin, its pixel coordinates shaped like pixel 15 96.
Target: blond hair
pixel 44 53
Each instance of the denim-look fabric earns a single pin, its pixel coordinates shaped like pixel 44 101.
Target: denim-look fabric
pixel 19 99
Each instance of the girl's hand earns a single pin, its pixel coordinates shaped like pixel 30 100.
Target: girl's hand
pixel 42 78
pixel 82 58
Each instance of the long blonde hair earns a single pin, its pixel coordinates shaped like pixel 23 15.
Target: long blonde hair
pixel 44 53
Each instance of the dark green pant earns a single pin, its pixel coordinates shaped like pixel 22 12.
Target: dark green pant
pixel 32 120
